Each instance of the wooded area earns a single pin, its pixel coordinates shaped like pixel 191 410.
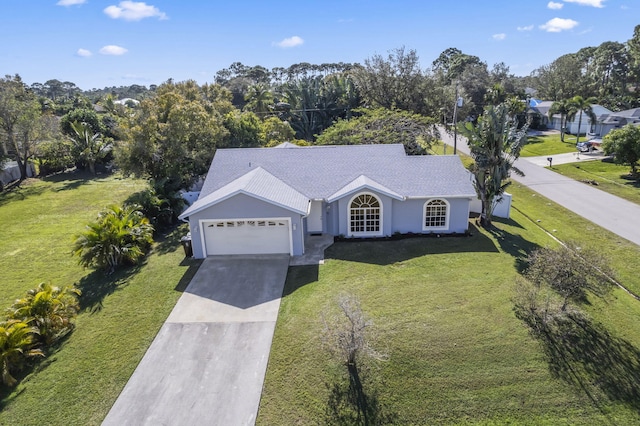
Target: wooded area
pixel 169 132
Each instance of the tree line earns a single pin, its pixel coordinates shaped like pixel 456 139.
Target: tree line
pixel 170 136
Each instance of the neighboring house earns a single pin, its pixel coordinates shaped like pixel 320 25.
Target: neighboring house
pixel 539 111
pixel 620 119
pixel 126 101
pixel 606 120
pixel 269 200
pixel 10 172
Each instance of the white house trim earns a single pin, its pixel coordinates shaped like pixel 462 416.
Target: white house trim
pixel 380 220
pixel 201 224
pixel 446 215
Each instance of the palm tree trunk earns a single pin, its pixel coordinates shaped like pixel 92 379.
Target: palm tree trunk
pixel 579 126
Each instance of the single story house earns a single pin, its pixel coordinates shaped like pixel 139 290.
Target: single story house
pixel 269 200
pixel 606 120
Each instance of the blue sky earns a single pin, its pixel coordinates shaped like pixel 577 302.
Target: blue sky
pixel 95 43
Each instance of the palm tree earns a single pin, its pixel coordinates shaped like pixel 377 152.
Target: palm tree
pixel 578 105
pixel 560 107
pixel 120 235
pixel 16 345
pixel 259 99
pixel 91 146
pixel 495 144
pixel 48 308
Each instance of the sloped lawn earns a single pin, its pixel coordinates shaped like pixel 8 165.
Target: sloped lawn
pixel 121 313
pixel 456 353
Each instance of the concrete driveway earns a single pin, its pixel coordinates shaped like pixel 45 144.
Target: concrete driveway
pixel 207 364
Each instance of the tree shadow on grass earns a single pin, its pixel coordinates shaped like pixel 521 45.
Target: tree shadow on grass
pixel 18 191
pixel 393 251
pixel 98 285
pixel 74 179
pixel 584 354
pixel 349 403
pixel 514 245
pixel 169 240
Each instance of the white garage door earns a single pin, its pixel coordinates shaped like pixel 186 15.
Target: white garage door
pixel 242 236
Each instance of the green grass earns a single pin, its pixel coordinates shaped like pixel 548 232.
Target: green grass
pixel 122 313
pixel 456 353
pixel 548 145
pixel 612 178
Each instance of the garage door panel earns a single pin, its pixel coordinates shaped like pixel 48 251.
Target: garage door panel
pixel 241 236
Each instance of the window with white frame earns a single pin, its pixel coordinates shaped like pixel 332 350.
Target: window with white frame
pixel 436 215
pixel 365 212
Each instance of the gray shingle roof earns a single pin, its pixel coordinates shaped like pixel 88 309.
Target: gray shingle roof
pixel 257 183
pixel 318 172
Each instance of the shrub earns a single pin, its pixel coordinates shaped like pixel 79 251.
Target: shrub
pixel 16 346
pixel 120 235
pixel 49 309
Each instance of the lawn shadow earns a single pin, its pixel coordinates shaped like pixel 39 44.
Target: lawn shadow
pixel 169 240
pixel 513 244
pixel 98 285
pixel 630 180
pixel 584 354
pixel 20 191
pixel 73 179
pixel 355 401
pixel 393 251
pixel 298 277
pixel 193 266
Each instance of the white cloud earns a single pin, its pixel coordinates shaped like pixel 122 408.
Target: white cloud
pixel 84 53
pixel 525 28
pixel 290 42
pixel 70 2
pixel 113 50
pixel 556 25
pixel 594 3
pixel 499 37
pixel 554 6
pixel 134 11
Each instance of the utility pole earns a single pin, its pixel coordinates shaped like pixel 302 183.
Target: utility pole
pixel 455 121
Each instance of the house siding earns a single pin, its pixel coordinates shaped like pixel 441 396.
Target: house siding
pixel 244 207
pixel 400 216
pixel 407 215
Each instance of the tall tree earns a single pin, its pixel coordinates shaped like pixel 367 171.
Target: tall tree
pixel 378 126
pixel 562 107
pixel 259 99
pixel 579 105
pixel 173 136
pixel 392 82
pixel 20 120
pixel 495 143
pixel 562 79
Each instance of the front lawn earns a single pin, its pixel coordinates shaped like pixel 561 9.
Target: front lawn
pixel 612 178
pixel 548 145
pixel 121 313
pixel 455 352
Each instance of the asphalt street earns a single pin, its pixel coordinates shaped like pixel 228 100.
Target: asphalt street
pixel 608 211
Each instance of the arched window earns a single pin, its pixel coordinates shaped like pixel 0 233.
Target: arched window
pixel 436 215
pixel 365 213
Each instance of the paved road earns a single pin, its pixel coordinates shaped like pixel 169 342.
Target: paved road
pixel 610 212
pixel 207 364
